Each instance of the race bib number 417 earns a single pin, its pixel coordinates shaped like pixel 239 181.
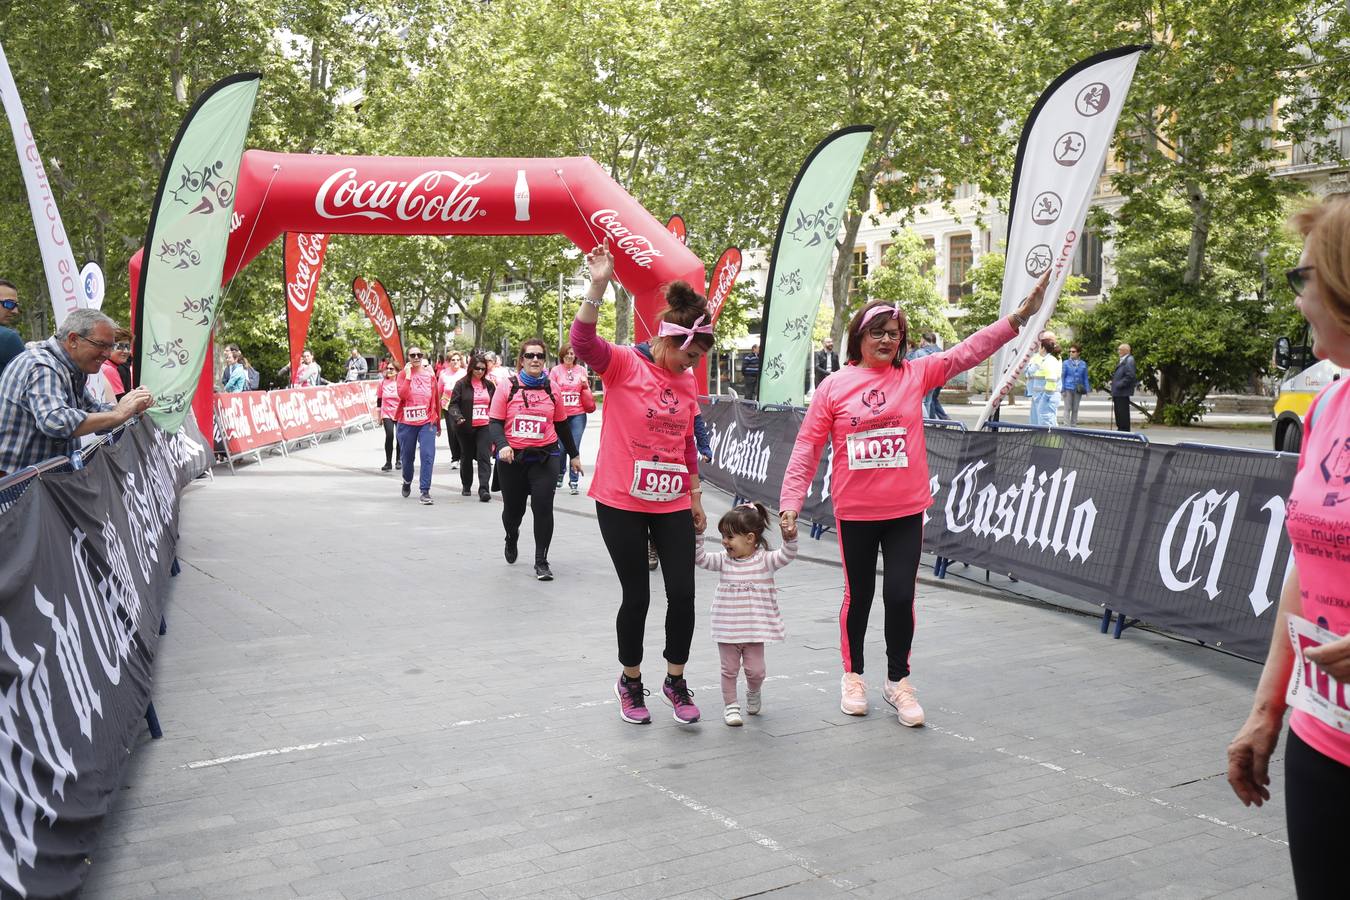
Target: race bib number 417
pixel 880 448
pixel 1310 689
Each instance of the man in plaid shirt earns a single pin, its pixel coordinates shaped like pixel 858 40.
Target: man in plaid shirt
pixel 43 403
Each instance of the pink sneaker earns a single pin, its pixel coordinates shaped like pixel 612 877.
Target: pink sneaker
pixel 632 702
pixel 901 695
pixel 853 694
pixel 681 699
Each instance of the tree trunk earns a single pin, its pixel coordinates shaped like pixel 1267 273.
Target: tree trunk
pixel 623 315
pixel 1195 253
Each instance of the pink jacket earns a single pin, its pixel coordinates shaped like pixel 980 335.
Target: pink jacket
pixel 874 418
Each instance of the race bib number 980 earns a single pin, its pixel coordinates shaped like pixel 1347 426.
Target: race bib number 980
pixel 880 448
pixel 528 426
pixel 1310 689
pixel 658 481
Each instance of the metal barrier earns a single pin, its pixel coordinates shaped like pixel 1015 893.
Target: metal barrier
pixel 1058 429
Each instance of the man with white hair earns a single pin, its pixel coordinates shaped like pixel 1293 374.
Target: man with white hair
pixel 44 406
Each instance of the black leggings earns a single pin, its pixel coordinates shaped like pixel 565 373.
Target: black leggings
pixel 625 534
pixel 474 443
pixel 1317 795
pixel 389 442
pixel 900 541
pixel 531 477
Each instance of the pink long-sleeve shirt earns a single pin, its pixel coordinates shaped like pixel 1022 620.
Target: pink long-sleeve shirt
pixel 874 417
pixel 648 426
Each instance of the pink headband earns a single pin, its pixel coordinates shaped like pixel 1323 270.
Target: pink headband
pixel 875 311
pixel 670 329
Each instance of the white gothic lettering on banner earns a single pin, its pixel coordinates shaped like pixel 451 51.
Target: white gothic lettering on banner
pixel 107 632
pixel 118 588
pixel 144 525
pixel 84 697
pixel 746 457
pixel 1208 525
pixel 1037 512
pixel 21 797
pixel 422 199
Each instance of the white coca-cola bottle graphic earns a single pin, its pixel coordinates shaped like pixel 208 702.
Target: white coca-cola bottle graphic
pixel 522 197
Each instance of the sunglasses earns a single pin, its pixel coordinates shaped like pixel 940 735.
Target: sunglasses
pixel 480 368
pixel 1298 279
pixel 9 304
pixel 414 356
pixel 532 356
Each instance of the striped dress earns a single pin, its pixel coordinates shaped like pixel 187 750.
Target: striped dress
pixel 745 606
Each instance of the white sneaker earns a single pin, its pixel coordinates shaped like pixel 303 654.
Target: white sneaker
pixel 732 715
pixel 901 695
pixel 753 702
pixel 853 694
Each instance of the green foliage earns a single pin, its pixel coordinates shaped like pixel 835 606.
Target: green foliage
pixel 1189 340
pixel 981 306
pixel 901 279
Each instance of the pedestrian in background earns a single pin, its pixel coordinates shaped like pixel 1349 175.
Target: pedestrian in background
pixel 1315 601
pixel 356 366
pixel 470 402
pixel 418 413
pixel 750 372
pixel 1045 402
pixel 1123 381
pixel 116 369
pixel 11 342
pixel 1075 382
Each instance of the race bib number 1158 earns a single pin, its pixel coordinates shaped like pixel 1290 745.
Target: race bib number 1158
pixel 1310 689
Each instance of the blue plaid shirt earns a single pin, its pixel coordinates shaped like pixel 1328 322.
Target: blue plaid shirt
pixel 42 402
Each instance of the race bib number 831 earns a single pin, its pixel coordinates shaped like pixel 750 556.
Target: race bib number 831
pixel 880 448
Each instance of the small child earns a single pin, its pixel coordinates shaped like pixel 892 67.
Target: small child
pixel 745 608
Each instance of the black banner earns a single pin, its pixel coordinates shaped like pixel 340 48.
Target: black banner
pixel 82 589
pixel 1191 540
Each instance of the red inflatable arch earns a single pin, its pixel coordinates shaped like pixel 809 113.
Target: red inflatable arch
pixel 571 196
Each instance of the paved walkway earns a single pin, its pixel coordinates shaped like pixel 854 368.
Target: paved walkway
pixel 361 699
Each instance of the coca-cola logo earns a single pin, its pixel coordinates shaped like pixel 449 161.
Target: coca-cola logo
pixel 263 415
pixel 321 406
pixel 300 289
pixel 232 419
pixel 291 409
pixel 372 300
pixel 434 195
pixel 638 247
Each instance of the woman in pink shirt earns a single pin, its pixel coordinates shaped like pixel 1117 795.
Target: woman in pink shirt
pixel 419 421
pixel 871 411
pixel 569 382
pixel 1314 609
pixel 388 396
pixel 469 404
pixel 526 422
pixel 646 477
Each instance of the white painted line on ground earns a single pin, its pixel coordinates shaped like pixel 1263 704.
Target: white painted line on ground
pixel 274 751
pixel 725 821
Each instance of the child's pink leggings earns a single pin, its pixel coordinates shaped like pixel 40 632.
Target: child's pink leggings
pixel 733 657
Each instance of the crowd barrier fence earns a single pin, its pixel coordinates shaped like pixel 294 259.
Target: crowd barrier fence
pixel 251 423
pixel 1189 538
pixel 91 545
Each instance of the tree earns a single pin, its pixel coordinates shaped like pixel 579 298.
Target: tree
pixel 902 279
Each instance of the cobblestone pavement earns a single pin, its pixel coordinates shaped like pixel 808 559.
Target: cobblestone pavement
pixel 361 699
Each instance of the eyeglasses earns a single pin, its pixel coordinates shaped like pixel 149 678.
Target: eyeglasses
pixel 122 346
pixel 414 356
pixel 1298 279
pixel 878 334
pixel 106 348
pixel 9 304
pixel 532 356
